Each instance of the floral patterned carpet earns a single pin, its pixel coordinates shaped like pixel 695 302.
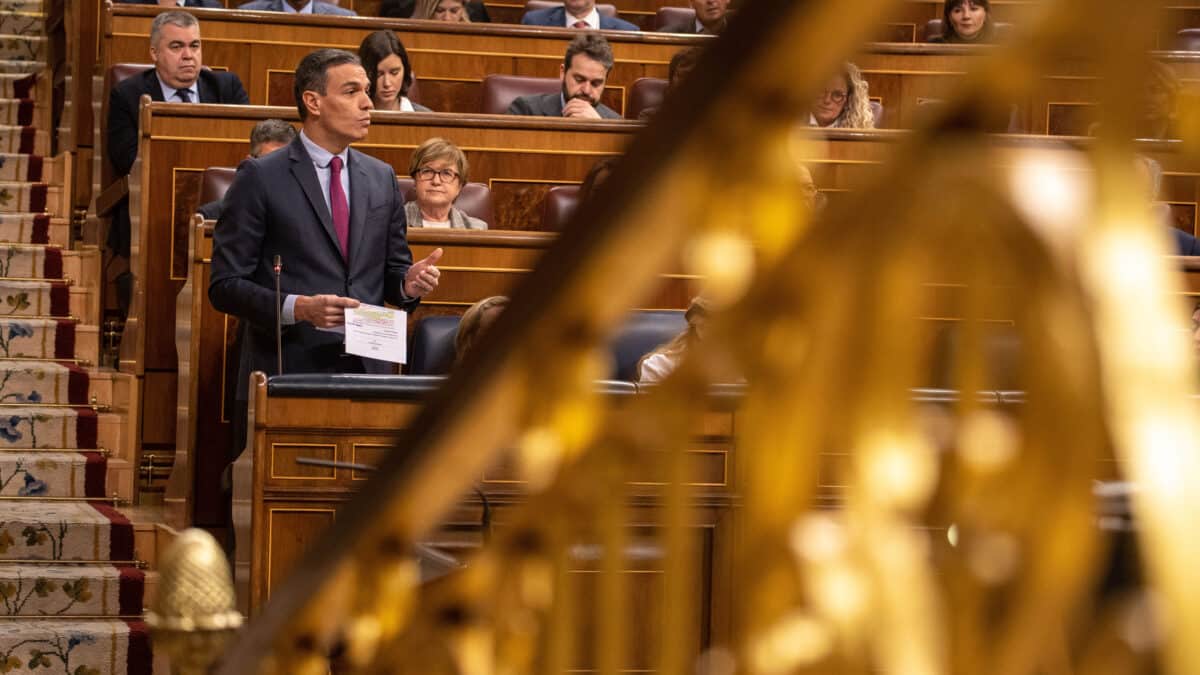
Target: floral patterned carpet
pixel 71 594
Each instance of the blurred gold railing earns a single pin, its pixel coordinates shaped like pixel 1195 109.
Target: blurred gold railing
pixel 820 318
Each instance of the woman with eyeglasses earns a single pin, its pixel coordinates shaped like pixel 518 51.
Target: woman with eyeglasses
pixel 966 22
pixel 439 170
pixel 385 59
pixel 843 104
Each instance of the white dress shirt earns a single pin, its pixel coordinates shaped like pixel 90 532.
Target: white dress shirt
pixel 170 93
pixel 592 19
pixel 320 159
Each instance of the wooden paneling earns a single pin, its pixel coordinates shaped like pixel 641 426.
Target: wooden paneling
pixel 281 515
pixel 264 48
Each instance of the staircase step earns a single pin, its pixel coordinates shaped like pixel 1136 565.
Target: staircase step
pixel 38 338
pixel 52 474
pixel 71 590
pixel 18 85
pixel 19 168
pixel 34 383
pixel 49 427
pixel 91 647
pixel 30 228
pixel 34 298
pixel 24 139
pixel 34 6
pixel 32 197
pixel 30 261
pixel 11 66
pixel 23 24
pixel 22 47
pixel 39 529
pixel 18 112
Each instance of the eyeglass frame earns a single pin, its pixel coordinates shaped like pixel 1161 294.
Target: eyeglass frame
pixel 441 173
pixel 835 96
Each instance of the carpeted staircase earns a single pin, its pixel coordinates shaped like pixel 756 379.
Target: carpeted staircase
pixel 71 591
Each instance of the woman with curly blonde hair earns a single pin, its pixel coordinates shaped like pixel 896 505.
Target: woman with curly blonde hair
pixel 844 103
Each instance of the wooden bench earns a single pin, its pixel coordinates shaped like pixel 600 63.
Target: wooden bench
pixel 282 507
pixel 449 60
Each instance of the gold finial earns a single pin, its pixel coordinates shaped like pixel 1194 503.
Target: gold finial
pixel 194 613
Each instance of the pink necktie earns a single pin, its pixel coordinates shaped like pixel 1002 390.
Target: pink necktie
pixel 338 207
pixel 579 24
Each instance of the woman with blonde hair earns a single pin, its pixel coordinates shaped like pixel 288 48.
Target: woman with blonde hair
pixel 658 364
pixel 844 103
pixel 474 323
pixel 454 11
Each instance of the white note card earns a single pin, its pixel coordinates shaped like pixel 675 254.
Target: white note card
pixel 377 333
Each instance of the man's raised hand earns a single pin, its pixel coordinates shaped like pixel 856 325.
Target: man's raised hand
pixel 422 277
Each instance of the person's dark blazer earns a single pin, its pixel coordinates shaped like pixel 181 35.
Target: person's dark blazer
pixel 550 105
pixel 557 17
pixel 212 210
pixel 1185 244
pixel 687 27
pixel 121 143
pixel 318 7
pixel 201 4
pixel 275 207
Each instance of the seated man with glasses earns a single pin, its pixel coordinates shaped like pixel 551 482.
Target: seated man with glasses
pixel 439 169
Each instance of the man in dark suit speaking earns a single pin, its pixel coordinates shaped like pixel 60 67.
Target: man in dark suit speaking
pixel 584 71
pixel 178 76
pixel 336 219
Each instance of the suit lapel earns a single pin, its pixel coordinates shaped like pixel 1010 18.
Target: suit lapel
pixel 359 193
pixel 205 90
pixel 151 86
pixel 306 175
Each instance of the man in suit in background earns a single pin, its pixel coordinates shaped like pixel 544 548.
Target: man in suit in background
pixel 335 217
pixel 178 75
pixel 298 7
pixel 711 16
pixel 575 14
pixel 266 137
pixel 584 71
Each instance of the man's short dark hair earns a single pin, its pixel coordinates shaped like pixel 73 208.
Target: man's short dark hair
pixel 310 74
pixel 591 45
pixel 270 131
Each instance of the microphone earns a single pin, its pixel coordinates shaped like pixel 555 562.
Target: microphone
pixel 278 267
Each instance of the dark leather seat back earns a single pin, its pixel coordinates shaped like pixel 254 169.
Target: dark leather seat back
pixel 558 207
pixel 1188 40
pixel 414 90
pixel 432 351
pixel 215 181
pixel 642 332
pixel 533 5
pixel 117 73
pixel 475 199
pixel 500 90
pixel 674 15
pixel 877 113
pixel 646 92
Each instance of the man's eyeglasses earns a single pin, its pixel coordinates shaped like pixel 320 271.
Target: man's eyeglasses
pixel 427 174
pixel 835 96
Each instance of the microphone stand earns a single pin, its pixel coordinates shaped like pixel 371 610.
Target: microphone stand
pixel 278 267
